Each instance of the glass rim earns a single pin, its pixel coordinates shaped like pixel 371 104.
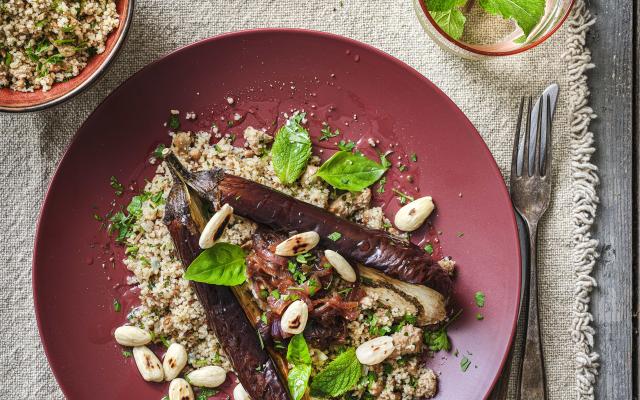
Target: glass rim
pixel 540 40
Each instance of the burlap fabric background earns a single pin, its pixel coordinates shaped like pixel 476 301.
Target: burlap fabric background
pixel 488 92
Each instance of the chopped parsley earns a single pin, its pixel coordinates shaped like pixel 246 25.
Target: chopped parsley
pixel 335 236
pixel 428 248
pixel 437 340
pixel 414 157
pixel 205 393
pixel 116 185
pixel 480 298
pixel 117 307
pixel 402 167
pixel 298 275
pixel 346 146
pixel 383 160
pixel 479 317
pixel 264 319
pixel 174 122
pixel 464 364
pixel 381 184
pixel 126 353
pixel 402 197
pixel 305 258
pixel 326 134
pixel 157 153
pixel 275 294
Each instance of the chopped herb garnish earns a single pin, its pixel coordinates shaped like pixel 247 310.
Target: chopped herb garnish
pixel 383 160
pixel 126 353
pixel 479 317
pixel 335 236
pixel 381 184
pixel 346 146
pixel 414 157
pixel 117 307
pixel 157 153
pixel 97 217
pixel 264 319
pixel 464 364
pixel 116 185
pixel 174 122
pixel 326 133
pixel 428 248
pixel 402 167
pixel 217 148
pixel 205 393
pixel 275 294
pixel 305 258
pixel 165 341
pixel 480 298
pixel 402 197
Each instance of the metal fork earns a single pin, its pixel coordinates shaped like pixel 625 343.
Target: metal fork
pixel 531 195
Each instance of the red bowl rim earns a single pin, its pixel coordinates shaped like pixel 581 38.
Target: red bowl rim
pixel 91 79
pixel 423 6
pixel 406 67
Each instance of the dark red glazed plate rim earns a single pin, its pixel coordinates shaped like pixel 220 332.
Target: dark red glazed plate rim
pixel 512 251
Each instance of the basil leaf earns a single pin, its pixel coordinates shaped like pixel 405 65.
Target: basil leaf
pixel 339 376
pixel 291 150
pixel 298 355
pixel 298 351
pixel 222 264
pixel 443 5
pixel 297 379
pixel 526 13
pixel 348 171
pixel 451 21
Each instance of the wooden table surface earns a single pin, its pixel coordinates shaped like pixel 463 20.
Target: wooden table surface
pixel 613 41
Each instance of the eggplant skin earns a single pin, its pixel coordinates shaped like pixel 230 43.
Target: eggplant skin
pixel 255 369
pixel 373 248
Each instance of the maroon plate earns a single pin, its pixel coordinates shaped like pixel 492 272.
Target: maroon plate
pixel 358 89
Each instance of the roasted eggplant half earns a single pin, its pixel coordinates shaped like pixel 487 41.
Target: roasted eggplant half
pixel 282 213
pixel 255 369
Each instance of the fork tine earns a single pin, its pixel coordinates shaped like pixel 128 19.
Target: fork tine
pixel 538 145
pixel 527 134
pixel 546 163
pixel 516 143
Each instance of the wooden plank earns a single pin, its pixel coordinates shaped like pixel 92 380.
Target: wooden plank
pixel 611 43
pixel 636 203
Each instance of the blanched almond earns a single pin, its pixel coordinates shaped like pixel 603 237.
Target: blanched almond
pixel 298 244
pixel 174 361
pixel 215 227
pixel 294 318
pixel 128 335
pixel 412 216
pixel 375 350
pixel 148 364
pixel 179 389
pixel 240 394
pixel 209 377
pixel 341 265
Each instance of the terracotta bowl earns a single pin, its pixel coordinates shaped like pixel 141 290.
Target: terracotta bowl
pixel 14 101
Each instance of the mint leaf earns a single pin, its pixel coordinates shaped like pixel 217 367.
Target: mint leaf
pixel 443 5
pixel 222 264
pixel 291 150
pixel 298 355
pixel 341 375
pixel 348 171
pixel 451 21
pixel 526 13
